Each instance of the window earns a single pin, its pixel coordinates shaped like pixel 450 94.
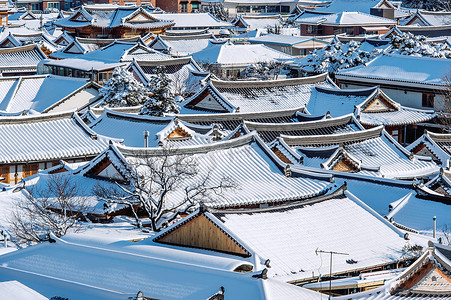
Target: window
pixel 258 9
pixel 315 30
pixel 428 100
pixel 53 5
pixel 243 9
pixel 285 50
pixel 395 134
pixel 195 6
pixel 183 7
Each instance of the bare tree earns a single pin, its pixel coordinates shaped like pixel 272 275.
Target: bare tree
pixel 57 207
pixel 444 109
pixel 164 186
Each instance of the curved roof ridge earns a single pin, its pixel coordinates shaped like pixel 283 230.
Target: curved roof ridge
pixel 37 118
pixel 165 62
pixel 356 92
pixel 299 125
pixel 439 137
pixel 269 83
pixel 190 150
pixel 332 139
pixel 108 113
pixel 238 115
pixel 338 192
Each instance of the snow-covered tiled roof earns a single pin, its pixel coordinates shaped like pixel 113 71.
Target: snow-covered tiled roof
pixel 181 45
pixel 111 17
pixel 338 6
pixel 258 21
pixel 192 21
pixel 130 128
pixel 47 137
pixel 337 102
pixel 13 289
pixel 280 39
pixel 403 116
pixel 379 154
pixel 401 70
pixel 435 18
pixel 77 270
pixel 346 18
pixel 268 132
pixel 426 278
pixel 37 93
pixel 434 145
pixel 231 55
pixel 229 121
pixel 259 96
pixel 83 64
pixel 250 164
pixel 338 222
pixel 20 57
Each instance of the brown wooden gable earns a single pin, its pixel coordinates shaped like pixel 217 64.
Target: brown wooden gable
pixel 79 17
pixel 417 20
pixel 101 166
pixel 281 156
pixel 345 165
pixel 200 232
pixel 380 104
pixel 239 23
pixel 178 134
pixel 140 18
pixel 427 280
pixel 7 44
pixel 422 150
pixel 206 100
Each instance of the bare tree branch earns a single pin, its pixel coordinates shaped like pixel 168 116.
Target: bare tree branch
pixel 165 186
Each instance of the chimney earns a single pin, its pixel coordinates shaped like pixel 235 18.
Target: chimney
pixel 146 138
pixel 434 232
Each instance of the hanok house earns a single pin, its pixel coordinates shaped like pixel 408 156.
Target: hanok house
pixel 264 236
pixel 292 45
pixel 44 40
pixel 184 45
pixel 100 21
pixel 31 143
pixel 429 277
pixel 242 160
pixel 413 81
pixel 245 23
pixel 370 152
pixel 437 146
pixel 190 23
pixel 429 18
pixel 350 23
pixel 181 274
pixel 229 60
pixel 160 131
pixel 97 71
pixel 37 93
pixel 185 74
pixel 79 46
pixel 19 61
pixel 255 96
pixel 399 121
pixel 438 188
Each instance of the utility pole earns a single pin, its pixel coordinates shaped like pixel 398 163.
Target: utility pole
pixel 330 267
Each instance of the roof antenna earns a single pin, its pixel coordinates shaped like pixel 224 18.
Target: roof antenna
pixel 330 269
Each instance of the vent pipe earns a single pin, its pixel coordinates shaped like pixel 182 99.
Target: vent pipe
pixel 434 233
pixel 146 138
